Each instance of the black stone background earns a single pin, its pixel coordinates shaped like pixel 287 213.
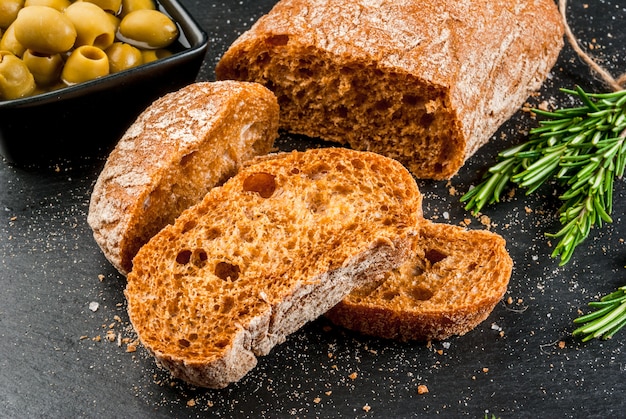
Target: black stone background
pixel 511 365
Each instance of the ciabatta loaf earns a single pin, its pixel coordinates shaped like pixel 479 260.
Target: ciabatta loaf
pixel 277 245
pixel 426 82
pixel 180 147
pixel 450 284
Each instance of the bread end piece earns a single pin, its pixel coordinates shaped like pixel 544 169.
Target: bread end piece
pixel 449 286
pixel 424 82
pixel 180 147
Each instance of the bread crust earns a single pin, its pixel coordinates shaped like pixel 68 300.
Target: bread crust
pixel 276 246
pixel 180 147
pixel 447 287
pixel 424 82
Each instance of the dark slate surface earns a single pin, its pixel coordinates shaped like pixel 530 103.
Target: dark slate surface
pixel 512 365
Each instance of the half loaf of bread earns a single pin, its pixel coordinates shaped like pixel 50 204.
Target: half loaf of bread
pixel 426 82
pixel 180 147
pixel 450 284
pixel 276 246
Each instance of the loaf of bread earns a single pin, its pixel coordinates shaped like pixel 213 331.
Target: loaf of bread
pixel 179 148
pixel 450 284
pixel 426 82
pixel 280 243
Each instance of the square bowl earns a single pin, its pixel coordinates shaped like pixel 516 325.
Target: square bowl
pixel 90 117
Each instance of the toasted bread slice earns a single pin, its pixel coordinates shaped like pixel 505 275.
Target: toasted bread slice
pixel 277 245
pixel 424 82
pixel 179 148
pixel 451 284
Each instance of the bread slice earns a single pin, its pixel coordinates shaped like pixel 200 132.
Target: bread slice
pixel 426 82
pixel 180 147
pixel 451 284
pixel 277 245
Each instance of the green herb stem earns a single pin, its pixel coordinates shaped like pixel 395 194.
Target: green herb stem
pixel 581 149
pixel 608 318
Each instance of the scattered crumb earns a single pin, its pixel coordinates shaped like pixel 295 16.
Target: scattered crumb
pixel 191 402
pixel 561 344
pixel 485 370
pixel 422 389
pixel 528 210
pixel 317 400
pixel 328 393
pixel 93 306
pixel 367 407
pixel 101 277
pixel 353 376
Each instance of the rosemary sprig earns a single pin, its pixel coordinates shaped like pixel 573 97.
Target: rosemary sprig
pixel 583 149
pixel 609 317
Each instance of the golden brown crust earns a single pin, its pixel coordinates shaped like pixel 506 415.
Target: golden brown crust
pixel 424 82
pixel 180 147
pixel 277 245
pixel 450 285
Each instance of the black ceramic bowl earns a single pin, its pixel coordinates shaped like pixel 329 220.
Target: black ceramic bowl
pixel 90 117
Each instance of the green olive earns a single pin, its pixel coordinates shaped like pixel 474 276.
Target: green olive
pixel 132 5
pixel 150 55
pixel 46 69
pixel 111 6
pixel 93 25
pixel 8 11
pixel 60 5
pixel 9 43
pixel 147 29
pixel 15 79
pixel 85 63
pixel 44 29
pixel 123 56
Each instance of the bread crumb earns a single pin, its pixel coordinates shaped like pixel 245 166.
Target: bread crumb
pixel 528 210
pixel 317 400
pixel 83 337
pixel 422 389
pixel 328 393
pixel 101 277
pixel 561 344
pixel 93 306
pixel 191 402
pixel 367 407
pixel 97 338
pixel 485 370
pixel 509 300
pixel 353 376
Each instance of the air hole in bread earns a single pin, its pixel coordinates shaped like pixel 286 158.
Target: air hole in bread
pixel 227 271
pixel 382 105
pixel 434 256
pixel 228 303
pixel 420 293
pixel 411 100
pixel 189 225
pixel 187 158
pixel 277 40
pixel 390 295
pixel 342 188
pixel 183 257
pixel 426 120
pixel 199 258
pixel 262 183
pixel 184 343
pixel 358 164
pixel 295 171
pixel 193 336
pixel 318 170
pixel 438 167
pixel 221 344
pixel 342 111
pixel 213 233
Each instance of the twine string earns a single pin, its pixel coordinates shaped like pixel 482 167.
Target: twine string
pixel 615 84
